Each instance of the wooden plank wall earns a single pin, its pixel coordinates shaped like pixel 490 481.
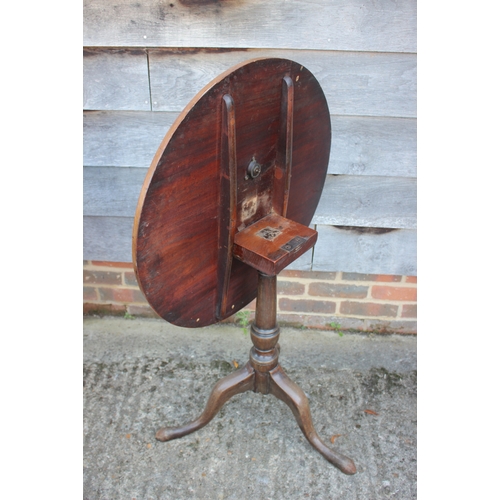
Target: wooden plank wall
pixel 143 62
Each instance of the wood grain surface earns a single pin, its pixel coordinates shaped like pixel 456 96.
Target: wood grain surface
pixel 366 250
pixel 181 217
pixel 379 25
pixel 116 79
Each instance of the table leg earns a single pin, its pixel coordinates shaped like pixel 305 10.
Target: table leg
pixel 237 382
pixel 289 392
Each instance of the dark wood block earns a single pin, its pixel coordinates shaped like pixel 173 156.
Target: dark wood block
pixel 273 243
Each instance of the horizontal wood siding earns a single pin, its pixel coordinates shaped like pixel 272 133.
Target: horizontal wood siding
pixel 144 61
pixel 385 202
pixel 359 250
pixel 123 139
pixel 354 83
pixel 110 239
pixel 374 146
pixel 338 249
pixel 116 79
pixel 107 238
pixel 366 201
pixel 109 191
pixel 360 145
pixel 379 25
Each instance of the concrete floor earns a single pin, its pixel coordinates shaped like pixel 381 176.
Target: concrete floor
pixel 142 374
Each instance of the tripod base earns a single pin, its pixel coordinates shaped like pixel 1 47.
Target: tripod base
pixel 263 372
pixel 275 382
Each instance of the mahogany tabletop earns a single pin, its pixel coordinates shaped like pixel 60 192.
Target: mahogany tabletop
pixel 192 203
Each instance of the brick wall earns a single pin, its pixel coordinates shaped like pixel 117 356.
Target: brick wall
pixel 344 301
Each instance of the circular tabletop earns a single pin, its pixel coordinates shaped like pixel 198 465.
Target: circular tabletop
pixel 180 248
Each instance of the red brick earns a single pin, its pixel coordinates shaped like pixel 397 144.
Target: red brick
pixel 321 275
pixel 102 277
pixel 388 278
pixel 89 294
pixel 338 290
pixel 126 265
pixel 411 279
pixel 394 293
pixel 368 309
pixel 290 288
pixel 121 295
pixel 409 311
pixel 371 277
pixel 310 306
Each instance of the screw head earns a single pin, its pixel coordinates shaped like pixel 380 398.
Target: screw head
pixel 254 169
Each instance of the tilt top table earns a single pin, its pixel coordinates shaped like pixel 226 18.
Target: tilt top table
pixel 226 206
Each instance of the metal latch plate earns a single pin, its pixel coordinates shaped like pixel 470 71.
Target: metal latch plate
pixel 293 243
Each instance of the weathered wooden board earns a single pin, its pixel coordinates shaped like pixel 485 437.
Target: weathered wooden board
pixel 110 239
pixel 314 24
pixel 111 191
pixel 107 238
pixel 364 251
pixel 122 138
pixel 373 146
pixel 116 79
pixel 360 145
pixel 354 83
pixel 303 263
pixel 363 201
